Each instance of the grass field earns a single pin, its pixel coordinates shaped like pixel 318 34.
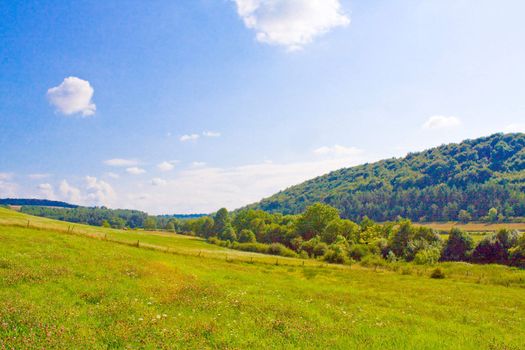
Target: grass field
pixel 93 288
pixel 474 227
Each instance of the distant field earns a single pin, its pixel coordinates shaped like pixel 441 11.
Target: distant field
pixel 80 289
pixel 474 226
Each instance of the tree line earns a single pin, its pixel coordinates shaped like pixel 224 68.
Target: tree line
pixel 320 232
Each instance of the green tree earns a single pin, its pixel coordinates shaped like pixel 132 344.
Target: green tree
pixel 464 216
pixel 315 219
pixel 150 224
pixel 106 224
pixel 492 215
pixel 247 236
pixel 458 246
pixel 228 234
pixel 221 220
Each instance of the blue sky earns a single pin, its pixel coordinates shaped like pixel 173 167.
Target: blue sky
pixel 187 106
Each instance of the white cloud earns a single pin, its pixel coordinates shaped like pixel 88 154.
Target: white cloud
pixel 72 96
pixel 69 193
pixel 190 137
pixel 515 127
pixel 291 23
pixel 441 122
pixel 211 133
pixel 337 150
pixel 5 176
pixel 166 165
pixel 113 175
pixel 47 191
pixel 135 170
pixel 119 162
pixel 205 189
pixel 198 164
pixel 99 192
pixel 38 176
pixel 158 182
pixel 7 188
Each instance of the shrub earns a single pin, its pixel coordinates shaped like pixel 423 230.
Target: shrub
pixel 428 256
pixel 336 256
pixel 490 251
pixel 280 249
pixel 358 251
pixel 320 249
pixel 437 273
pixel 247 236
pixel 253 247
pixel 374 261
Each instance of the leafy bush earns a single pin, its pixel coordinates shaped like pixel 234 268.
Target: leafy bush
pixel 320 249
pixel 458 247
pixel 437 273
pixel 280 249
pixel 428 256
pixel 358 251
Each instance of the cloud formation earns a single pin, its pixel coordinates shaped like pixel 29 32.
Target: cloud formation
pixel 337 150
pixel 7 188
pixel 189 137
pixel 38 176
pixel 119 162
pixel 135 170
pixel 99 192
pixel 211 133
pixel 47 191
pixel 158 181
pixel 69 193
pixel 441 122
pixel 291 23
pixel 166 165
pixel 73 96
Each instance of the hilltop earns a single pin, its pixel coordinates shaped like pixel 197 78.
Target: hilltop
pixel 448 183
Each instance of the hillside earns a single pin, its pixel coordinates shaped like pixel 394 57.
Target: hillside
pixel 179 292
pixel 35 202
pixel 447 183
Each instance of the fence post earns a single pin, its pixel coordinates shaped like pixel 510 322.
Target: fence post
pixel 138 244
pixel 27 224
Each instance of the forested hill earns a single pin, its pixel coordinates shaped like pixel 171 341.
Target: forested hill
pixel 452 182
pixel 36 202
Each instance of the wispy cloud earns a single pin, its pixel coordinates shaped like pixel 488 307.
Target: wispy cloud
pixel 291 23
pixel 120 162
pixel 38 176
pixel 189 137
pixel 337 150
pixel 441 122
pixel 158 181
pixel 135 170
pixel 211 133
pixel 167 165
pixel 72 96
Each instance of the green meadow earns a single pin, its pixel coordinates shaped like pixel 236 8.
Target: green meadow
pixel 79 287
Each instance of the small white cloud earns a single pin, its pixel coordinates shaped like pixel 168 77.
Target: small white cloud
pixel 190 137
pixel 211 133
pixel 119 162
pixel 47 190
pixel 198 164
pixel 99 192
pixel 5 176
pixel 441 122
pixel 515 127
pixel 7 188
pixel 69 192
pixel 72 96
pixel 113 175
pixel 337 150
pixel 135 170
pixel 158 182
pixel 166 165
pixel 38 176
pixel 291 23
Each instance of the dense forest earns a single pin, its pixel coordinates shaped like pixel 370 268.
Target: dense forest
pixel 481 179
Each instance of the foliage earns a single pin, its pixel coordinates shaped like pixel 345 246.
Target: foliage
pixel 452 182
pixel 458 247
pixel 437 273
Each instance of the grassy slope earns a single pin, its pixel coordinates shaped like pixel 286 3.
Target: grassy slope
pixel 68 291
